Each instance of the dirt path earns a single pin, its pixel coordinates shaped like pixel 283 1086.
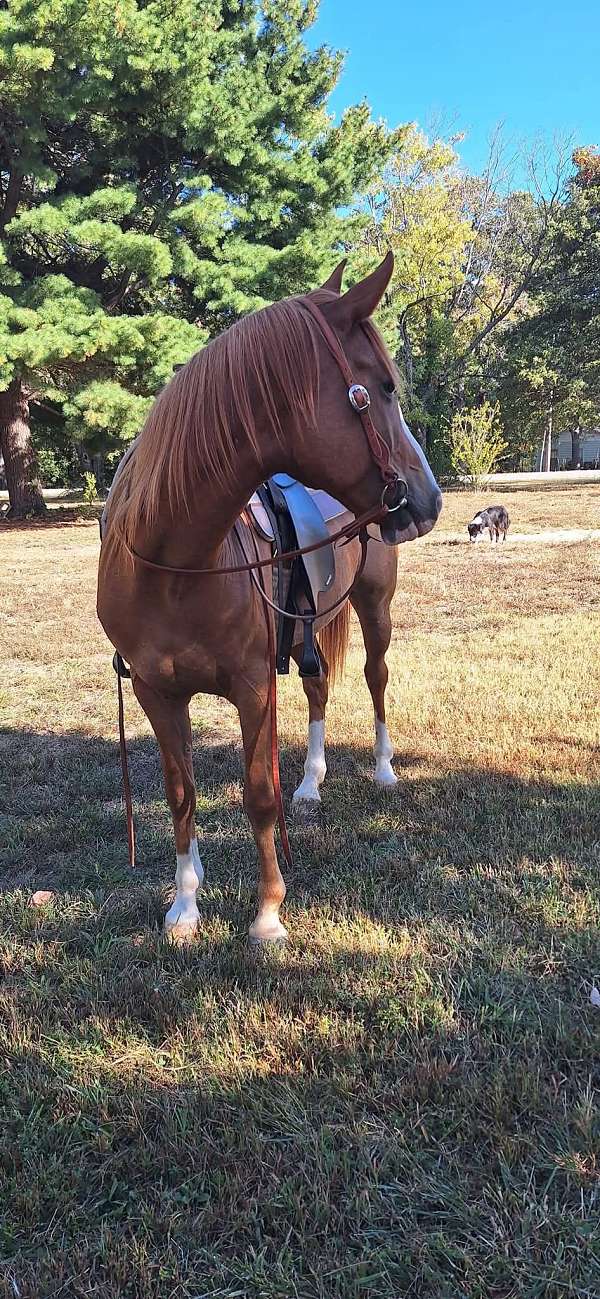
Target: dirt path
pixel 547 536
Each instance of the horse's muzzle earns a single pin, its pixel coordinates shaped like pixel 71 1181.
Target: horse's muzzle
pixel 397 524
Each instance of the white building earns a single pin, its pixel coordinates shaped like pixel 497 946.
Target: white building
pixel 562 450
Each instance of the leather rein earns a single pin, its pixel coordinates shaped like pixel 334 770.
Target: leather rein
pixel 360 400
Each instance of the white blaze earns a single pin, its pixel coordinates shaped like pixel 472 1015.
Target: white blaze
pixel 422 457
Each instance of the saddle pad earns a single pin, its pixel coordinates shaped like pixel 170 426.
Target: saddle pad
pixel 312 514
pixel 328 507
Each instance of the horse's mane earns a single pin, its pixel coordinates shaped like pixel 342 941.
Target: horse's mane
pixel 266 362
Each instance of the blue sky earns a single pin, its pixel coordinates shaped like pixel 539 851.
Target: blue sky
pixel 534 65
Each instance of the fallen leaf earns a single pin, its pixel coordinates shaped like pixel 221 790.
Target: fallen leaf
pixel 40 898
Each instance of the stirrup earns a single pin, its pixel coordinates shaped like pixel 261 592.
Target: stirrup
pixel 310 663
pixel 119 666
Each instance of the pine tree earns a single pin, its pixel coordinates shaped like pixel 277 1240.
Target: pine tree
pixel 163 169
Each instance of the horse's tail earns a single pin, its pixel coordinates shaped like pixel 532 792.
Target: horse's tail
pixel 333 640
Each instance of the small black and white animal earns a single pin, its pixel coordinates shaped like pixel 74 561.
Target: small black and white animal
pixel 495 519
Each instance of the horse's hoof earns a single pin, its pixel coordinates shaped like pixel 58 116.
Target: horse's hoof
pixel 181 924
pixel 309 795
pixel 386 777
pixel 306 809
pixel 267 934
pixel 181 934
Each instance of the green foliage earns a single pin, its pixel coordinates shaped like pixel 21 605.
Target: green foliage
pixel 551 361
pixel 184 171
pixel 465 252
pixel 90 488
pixel 105 416
pixel 476 442
pixel 53 469
pixel 55 452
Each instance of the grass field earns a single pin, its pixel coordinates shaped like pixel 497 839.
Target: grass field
pixel 405 1101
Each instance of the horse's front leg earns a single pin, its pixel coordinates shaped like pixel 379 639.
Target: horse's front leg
pixel 170 720
pixel 261 807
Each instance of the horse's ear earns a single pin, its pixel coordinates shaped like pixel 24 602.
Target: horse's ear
pixel 334 283
pixel 363 298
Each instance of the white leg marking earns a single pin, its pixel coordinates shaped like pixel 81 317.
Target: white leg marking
pixel 315 766
pixel 182 918
pixel 384 752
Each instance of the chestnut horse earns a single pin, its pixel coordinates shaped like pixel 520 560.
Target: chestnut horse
pixel 269 395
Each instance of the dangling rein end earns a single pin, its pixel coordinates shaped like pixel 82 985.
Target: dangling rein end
pixel 123 671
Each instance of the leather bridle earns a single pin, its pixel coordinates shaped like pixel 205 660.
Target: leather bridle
pixel 396 491
pixel 359 397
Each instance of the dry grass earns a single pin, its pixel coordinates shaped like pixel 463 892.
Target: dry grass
pixel 403 1103
pixel 531 508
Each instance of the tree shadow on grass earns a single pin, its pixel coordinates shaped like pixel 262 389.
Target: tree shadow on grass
pixel 528 486
pixel 288 1185
pixel 367 1106
pixel 55 517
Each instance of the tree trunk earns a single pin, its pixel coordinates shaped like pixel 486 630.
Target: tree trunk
pixel 98 471
pixel 24 489
pixel 547 452
pixel 12 196
pixel 407 358
pixel 547 443
pixel 576 447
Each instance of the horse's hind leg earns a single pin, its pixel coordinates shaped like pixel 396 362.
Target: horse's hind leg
pixel 373 609
pixel 170 720
pixel 316 690
pixel 261 808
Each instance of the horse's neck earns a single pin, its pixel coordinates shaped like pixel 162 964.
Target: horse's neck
pixel 198 538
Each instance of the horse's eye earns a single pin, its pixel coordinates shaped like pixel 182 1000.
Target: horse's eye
pixel 389 388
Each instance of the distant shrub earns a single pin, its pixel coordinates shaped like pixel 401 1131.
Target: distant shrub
pixel 476 442
pixel 55 467
pixel 90 490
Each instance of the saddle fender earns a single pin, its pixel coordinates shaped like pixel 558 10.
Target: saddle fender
pixel 310 527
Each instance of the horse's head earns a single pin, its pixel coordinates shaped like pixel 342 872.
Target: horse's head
pixel 347 457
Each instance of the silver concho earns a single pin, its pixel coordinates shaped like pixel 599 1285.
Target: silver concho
pixel 359 397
